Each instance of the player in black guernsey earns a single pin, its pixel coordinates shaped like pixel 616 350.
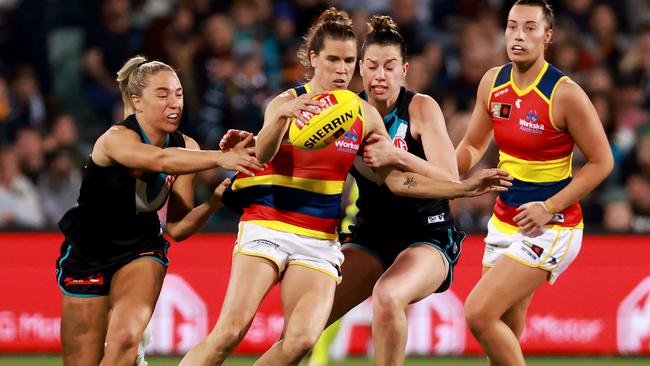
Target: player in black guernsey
pixel 114 257
pixel 401 249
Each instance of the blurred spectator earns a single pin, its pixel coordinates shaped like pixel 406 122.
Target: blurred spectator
pixel 63 134
pixel 19 203
pixel 108 43
pixel 288 42
pixel 58 186
pixel 231 55
pixel 30 104
pixel 29 151
pixel 435 68
pixel 636 171
pixel 605 40
pixel 599 80
pixel 571 57
pixel 418 78
pixel 254 37
pixel 635 65
pixel 618 215
pixel 250 93
pixel 415 31
pixel 214 67
pixel 576 12
pixel 171 39
pixel 9 122
pixel 638 12
pixel 477 54
pixel 307 12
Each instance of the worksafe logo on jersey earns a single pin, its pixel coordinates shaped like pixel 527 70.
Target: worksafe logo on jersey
pixel 501 110
pixel 352 135
pixel 633 320
pixel 530 124
pixel 348 142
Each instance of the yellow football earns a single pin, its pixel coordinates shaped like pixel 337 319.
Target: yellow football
pixel 339 110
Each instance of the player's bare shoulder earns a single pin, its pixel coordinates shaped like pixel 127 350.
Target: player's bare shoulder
pixel 113 138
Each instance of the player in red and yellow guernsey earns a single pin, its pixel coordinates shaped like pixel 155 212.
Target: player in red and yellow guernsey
pixel 537 115
pixel 291 209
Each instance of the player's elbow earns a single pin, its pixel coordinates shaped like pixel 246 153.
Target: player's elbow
pixel 263 153
pixel 608 163
pixel 176 234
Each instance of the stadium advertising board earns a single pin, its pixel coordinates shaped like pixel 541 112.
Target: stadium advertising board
pixel 601 305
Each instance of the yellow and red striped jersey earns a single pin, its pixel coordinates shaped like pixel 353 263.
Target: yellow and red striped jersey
pixel 531 148
pixel 300 191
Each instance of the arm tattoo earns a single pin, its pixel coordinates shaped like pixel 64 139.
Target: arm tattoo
pixel 410 182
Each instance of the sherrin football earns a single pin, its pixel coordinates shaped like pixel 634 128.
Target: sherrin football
pixel 339 110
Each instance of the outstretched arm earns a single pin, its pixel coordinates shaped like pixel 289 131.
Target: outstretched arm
pixel 122 145
pixel 420 186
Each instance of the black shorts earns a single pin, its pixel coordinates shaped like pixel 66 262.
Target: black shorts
pixel 79 279
pixel 386 247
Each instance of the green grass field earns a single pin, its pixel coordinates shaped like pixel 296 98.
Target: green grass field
pixel 431 361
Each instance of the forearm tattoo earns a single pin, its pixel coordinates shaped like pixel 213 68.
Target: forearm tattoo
pixel 410 182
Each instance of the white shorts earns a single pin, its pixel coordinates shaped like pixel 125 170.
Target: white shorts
pixel 551 251
pixel 285 249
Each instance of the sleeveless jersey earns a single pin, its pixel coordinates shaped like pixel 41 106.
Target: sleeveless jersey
pixel 531 148
pixel 299 191
pixel 117 212
pixel 379 208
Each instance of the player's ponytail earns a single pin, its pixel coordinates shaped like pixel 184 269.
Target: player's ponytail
pixel 382 30
pixel 332 23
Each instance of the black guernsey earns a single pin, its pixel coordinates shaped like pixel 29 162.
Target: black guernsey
pixel 117 212
pixel 379 209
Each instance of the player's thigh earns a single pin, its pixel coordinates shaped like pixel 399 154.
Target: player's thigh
pixel 307 296
pixel 361 270
pixel 417 272
pixel 505 284
pixel 83 328
pixel 134 291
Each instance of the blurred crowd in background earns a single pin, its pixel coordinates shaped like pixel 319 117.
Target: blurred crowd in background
pixel 58 62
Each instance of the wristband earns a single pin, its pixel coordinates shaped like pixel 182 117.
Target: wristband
pixel 550 207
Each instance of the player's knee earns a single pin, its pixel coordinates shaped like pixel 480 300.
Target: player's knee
pixel 298 346
pixel 228 333
pixel 385 303
pixel 125 339
pixel 476 317
pixel 515 319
